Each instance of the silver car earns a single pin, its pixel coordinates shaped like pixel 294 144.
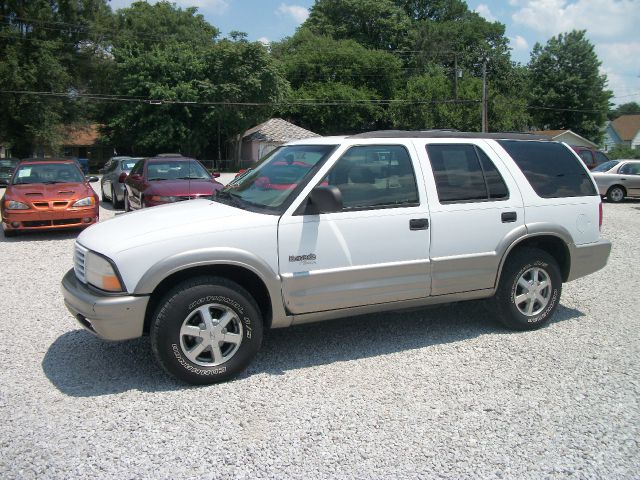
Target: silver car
pixel 113 174
pixel 618 179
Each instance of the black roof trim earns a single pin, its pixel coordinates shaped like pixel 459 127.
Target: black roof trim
pixel 448 134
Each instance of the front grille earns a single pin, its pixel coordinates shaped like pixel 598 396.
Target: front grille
pixel 67 221
pixel 41 204
pixel 60 204
pixel 78 262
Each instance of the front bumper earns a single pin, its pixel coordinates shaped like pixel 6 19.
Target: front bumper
pixel 111 317
pixel 49 219
pixel 588 258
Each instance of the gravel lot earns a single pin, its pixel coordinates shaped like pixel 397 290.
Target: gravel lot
pixel 437 393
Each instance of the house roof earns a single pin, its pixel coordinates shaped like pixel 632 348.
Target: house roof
pixel 626 126
pixel 277 130
pixel 556 133
pixel 80 135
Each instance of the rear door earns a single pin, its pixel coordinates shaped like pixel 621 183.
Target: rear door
pixel 475 207
pixel 630 178
pixel 375 250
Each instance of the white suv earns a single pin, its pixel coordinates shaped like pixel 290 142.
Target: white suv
pixel 340 226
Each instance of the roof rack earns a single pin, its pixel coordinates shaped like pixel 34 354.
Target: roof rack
pixel 449 134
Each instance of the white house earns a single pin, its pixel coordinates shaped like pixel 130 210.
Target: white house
pixel 567 136
pixel 623 130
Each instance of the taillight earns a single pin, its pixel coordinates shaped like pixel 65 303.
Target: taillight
pixel 600 216
pixel 121 178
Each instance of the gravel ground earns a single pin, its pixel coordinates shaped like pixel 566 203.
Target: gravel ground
pixel 436 393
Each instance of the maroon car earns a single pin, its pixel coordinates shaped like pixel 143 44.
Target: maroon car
pixel 167 178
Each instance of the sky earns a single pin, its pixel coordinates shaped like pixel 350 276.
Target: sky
pixel 610 24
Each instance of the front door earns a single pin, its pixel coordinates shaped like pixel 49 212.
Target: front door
pixel 375 250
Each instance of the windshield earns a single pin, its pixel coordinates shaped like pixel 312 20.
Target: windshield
pixel 128 164
pixel 271 182
pixel 8 163
pixel 47 173
pixel 176 170
pixel 603 167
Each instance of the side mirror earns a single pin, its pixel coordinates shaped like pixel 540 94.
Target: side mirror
pixel 324 199
pixel 135 176
pixel 215 174
pixel 92 179
pixel 101 170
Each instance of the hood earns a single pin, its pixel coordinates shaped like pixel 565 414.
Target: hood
pixel 180 188
pixel 46 192
pixel 170 223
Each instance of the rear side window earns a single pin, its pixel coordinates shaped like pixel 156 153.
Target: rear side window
pixel 464 173
pixel 551 169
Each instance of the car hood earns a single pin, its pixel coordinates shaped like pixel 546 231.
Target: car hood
pixel 45 192
pixel 180 188
pixel 175 224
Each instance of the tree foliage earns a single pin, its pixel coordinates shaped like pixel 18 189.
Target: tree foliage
pixel 630 108
pixel 191 67
pixel 47 46
pixel 623 151
pixel 567 90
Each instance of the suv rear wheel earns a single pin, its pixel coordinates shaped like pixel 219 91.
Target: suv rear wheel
pixel 529 290
pixel 206 330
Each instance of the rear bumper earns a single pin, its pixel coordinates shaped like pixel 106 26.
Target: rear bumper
pixel 589 258
pixel 111 317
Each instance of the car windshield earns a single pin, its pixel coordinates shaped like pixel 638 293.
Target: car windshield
pixel 128 164
pixel 176 170
pixel 8 163
pixel 47 173
pixel 271 182
pixel 603 167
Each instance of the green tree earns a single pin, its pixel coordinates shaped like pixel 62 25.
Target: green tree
pixel 336 108
pixel 48 46
pixel 182 65
pixel 375 24
pixel 623 151
pixel 567 90
pixel 631 108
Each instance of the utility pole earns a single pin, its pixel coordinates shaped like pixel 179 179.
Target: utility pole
pixel 455 76
pixel 485 103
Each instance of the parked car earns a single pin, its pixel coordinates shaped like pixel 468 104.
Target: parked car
pixel 7 166
pixel 591 157
pixel 366 223
pixel 617 179
pixel 48 194
pixel 112 182
pixel 166 179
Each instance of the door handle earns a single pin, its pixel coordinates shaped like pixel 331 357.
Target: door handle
pixel 418 224
pixel 509 217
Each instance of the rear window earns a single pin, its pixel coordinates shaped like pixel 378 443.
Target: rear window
pixel 551 169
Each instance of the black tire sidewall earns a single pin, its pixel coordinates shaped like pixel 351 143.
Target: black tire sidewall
pixel 610 197
pixel 510 315
pixel 178 305
pixel 114 197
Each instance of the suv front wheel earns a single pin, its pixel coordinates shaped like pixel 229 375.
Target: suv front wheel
pixel 529 290
pixel 206 330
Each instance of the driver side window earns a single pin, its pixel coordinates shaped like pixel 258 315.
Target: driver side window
pixel 375 176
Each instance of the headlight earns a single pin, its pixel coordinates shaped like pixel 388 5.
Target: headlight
pixel 85 202
pixel 162 198
pixel 15 205
pixel 100 273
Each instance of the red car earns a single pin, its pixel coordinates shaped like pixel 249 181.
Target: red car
pixel 48 194
pixel 591 157
pixel 165 179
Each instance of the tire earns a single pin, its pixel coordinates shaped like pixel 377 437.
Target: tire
pixel 196 306
pixel 127 207
pixel 515 309
pixel 103 197
pixel 114 198
pixel 616 194
pixel 9 233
